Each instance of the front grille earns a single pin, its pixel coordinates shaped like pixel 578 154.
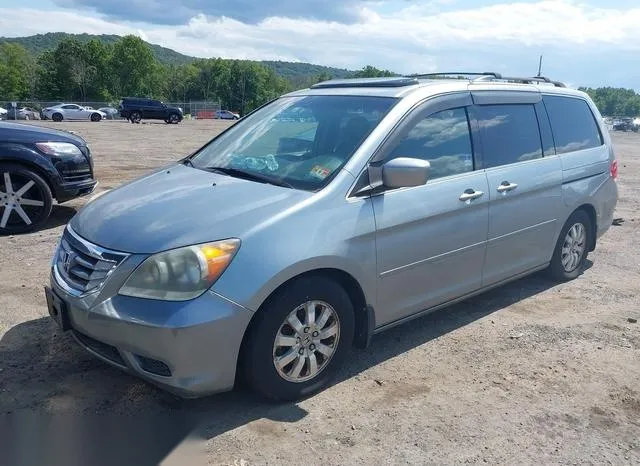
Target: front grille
pixel 106 351
pixel 84 266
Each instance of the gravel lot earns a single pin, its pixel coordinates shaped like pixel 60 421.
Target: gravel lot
pixel 532 372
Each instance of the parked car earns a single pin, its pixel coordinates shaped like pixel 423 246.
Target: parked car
pixel 3 114
pixel 110 112
pixel 226 115
pixel 72 112
pixel 22 113
pixel 38 165
pixel 136 108
pixel 267 256
pixel 625 124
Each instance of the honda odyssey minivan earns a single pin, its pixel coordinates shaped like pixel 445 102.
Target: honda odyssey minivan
pixel 278 246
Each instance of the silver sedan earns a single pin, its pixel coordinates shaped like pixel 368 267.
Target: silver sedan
pixel 72 112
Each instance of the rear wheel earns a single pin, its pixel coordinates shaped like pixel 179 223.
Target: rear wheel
pixel 299 339
pixel 56 117
pixel 96 117
pixel 136 117
pixel 25 200
pixel 571 249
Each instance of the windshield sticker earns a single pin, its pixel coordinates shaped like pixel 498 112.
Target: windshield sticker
pixel 320 172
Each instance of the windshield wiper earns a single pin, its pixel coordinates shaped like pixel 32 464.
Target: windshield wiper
pixel 188 162
pixel 237 173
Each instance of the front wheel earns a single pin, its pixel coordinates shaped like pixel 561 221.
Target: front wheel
pixel 299 339
pixel 136 117
pixel 571 249
pixel 96 117
pixel 174 119
pixel 57 117
pixel 25 200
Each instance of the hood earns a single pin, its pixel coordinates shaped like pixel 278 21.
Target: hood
pixel 17 132
pixel 179 206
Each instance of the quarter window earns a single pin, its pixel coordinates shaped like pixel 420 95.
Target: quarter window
pixel 443 139
pixel 573 125
pixel 510 134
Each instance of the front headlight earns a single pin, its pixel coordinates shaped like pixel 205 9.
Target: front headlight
pixel 58 148
pixel 181 274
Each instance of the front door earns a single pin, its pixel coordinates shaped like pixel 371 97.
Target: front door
pixel 431 239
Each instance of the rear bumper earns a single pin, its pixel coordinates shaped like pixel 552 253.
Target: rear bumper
pixel 188 348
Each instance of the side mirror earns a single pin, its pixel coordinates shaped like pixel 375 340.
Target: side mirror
pixel 405 172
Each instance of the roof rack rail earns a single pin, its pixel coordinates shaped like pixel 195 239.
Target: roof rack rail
pixel 456 73
pixel 516 79
pixel 396 81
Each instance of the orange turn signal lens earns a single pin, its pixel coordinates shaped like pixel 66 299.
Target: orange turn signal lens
pixel 218 256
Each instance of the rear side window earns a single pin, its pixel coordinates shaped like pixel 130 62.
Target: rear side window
pixel 443 139
pixel 572 123
pixel 510 134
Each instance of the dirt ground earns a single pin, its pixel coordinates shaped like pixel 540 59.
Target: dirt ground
pixel 530 373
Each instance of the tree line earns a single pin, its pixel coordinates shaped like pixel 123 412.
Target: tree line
pixel 613 101
pixel 96 71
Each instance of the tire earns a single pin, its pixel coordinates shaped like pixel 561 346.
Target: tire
pixel 258 366
pixel 34 203
pixel 57 117
pixel 569 255
pixel 136 117
pixel 96 117
pixel 174 119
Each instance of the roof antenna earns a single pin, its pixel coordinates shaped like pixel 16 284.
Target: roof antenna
pixel 540 67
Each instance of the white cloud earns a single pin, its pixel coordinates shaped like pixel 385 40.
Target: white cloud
pixel 581 43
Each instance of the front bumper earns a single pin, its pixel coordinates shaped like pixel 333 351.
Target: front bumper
pixel 67 191
pixel 188 348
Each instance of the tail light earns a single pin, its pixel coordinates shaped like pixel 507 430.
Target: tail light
pixel 614 169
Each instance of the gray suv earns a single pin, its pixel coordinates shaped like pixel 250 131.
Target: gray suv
pixel 274 249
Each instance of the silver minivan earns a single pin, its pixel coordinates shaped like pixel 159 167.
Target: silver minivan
pixel 329 215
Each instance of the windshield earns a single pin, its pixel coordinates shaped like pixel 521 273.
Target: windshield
pixel 300 142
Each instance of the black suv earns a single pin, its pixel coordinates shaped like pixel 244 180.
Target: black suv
pixel 135 109
pixel 38 165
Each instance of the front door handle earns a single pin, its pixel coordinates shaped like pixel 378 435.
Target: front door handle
pixel 506 186
pixel 470 194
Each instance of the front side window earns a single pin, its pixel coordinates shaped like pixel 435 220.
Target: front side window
pixel 572 123
pixel 300 142
pixel 510 134
pixel 443 139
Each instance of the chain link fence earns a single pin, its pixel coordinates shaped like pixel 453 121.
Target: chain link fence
pixel 32 109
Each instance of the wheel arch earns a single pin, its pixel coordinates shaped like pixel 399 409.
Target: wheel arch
pixel 590 210
pixel 33 167
pixel 364 312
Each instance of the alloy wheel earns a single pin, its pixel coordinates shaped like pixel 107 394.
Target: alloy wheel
pixel 573 247
pixel 21 201
pixel 306 341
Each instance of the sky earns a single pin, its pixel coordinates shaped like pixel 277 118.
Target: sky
pixel 584 42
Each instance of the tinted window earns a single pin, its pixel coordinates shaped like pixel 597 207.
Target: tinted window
pixel 70 107
pixel 443 139
pixel 510 134
pixel 573 125
pixel 298 141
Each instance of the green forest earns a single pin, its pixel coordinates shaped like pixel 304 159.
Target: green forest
pixel 89 68
pixel 84 68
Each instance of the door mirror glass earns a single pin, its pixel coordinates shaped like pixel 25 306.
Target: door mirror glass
pixel 404 172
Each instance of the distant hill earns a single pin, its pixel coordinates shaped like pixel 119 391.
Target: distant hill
pixel 289 70
pixel 41 42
